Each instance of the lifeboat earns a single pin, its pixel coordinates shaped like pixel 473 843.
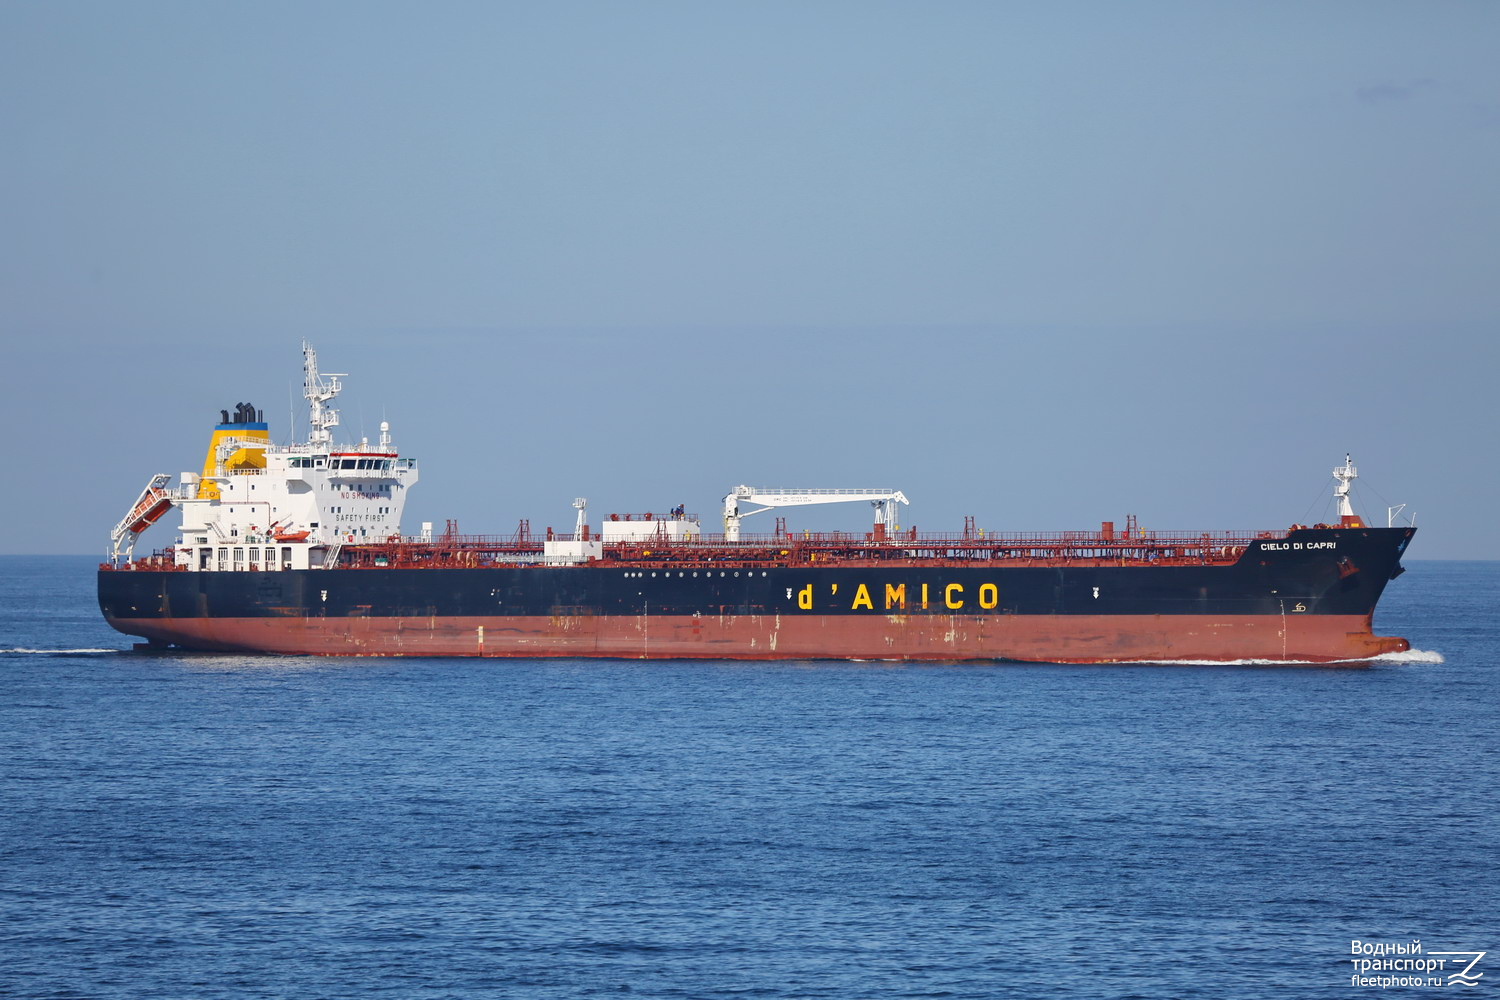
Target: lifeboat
pixel 147 512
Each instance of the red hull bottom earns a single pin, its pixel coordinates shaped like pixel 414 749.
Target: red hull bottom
pixel 1034 638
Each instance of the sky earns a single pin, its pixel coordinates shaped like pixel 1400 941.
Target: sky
pixel 1043 264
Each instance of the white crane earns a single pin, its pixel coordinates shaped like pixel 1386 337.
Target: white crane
pixel 883 501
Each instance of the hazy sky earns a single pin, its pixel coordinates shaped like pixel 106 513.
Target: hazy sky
pixel 1044 263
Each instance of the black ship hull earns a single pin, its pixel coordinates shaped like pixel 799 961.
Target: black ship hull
pixel 1308 595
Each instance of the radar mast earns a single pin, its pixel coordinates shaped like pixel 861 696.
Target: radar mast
pixel 319 389
pixel 1345 474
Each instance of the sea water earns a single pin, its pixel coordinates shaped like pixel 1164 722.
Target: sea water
pixel 235 826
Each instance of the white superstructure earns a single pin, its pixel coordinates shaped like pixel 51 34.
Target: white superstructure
pixel 260 506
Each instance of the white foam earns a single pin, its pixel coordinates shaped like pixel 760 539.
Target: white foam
pixel 1236 663
pixel 1411 656
pixel 57 652
pixel 1406 656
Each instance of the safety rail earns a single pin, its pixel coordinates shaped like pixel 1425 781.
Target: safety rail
pixel 899 540
pixel 397 465
pixel 1155 548
pixel 159 561
pixel 651 517
pixel 1073 548
pixel 788 490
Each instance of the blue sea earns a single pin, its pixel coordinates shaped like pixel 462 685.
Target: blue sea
pixel 204 826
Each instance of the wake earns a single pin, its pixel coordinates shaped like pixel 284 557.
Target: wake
pixel 1410 656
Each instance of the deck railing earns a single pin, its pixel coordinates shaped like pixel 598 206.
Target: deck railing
pixel 827 548
pixel 822 548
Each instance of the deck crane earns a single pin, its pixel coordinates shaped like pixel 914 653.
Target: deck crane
pixel 883 501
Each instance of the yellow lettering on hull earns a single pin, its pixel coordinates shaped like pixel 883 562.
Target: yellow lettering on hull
pixel 954 596
pixel 989 595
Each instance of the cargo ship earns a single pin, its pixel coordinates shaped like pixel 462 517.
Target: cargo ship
pixel 298 549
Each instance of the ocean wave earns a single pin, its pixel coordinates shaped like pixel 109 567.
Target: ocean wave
pixel 58 652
